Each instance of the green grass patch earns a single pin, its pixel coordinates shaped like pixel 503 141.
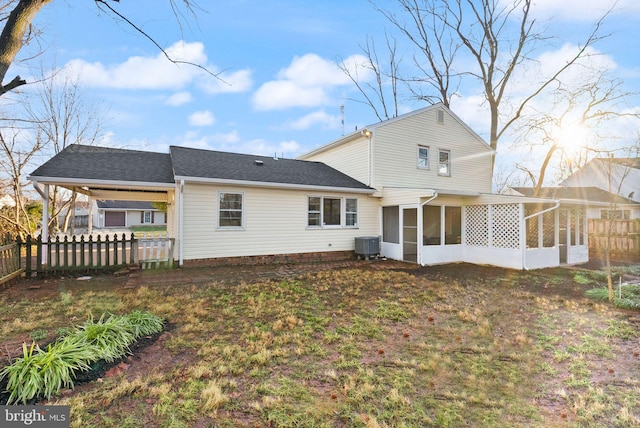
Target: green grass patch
pixel 625 297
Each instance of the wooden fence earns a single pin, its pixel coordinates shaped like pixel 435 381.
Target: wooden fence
pixel 83 253
pixel 624 238
pixel 9 262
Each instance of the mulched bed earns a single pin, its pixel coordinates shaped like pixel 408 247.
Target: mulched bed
pixel 99 369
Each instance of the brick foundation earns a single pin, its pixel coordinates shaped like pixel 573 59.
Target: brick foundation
pixel 270 259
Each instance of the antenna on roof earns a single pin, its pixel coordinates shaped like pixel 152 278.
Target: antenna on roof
pixel 275 155
pixel 342 117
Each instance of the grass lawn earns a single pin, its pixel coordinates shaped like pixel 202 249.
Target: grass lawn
pixel 363 346
pixel 139 231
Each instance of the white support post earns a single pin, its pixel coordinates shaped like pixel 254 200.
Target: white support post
pixel 44 230
pixel 90 224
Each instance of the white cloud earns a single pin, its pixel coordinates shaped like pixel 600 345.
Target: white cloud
pixel 202 118
pixel 179 98
pixel 322 118
pixel 307 82
pixel 157 72
pixel 283 94
pixel 582 10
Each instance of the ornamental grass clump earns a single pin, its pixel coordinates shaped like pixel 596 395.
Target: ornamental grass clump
pixel 111 336
pixel 143 323
pixel 44 373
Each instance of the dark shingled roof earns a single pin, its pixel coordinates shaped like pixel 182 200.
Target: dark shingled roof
pixel 592 194
pixel 210 164
pixel 120 165
pixel 102 163
pixel 126 205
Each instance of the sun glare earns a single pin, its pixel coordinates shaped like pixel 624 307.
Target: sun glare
pixel 572 137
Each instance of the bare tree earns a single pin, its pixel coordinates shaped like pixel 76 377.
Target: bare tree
pixel 588 106
pixel 498 37
pixel 382 96
pixel 18 16
pixel 61 115
pixel 16 156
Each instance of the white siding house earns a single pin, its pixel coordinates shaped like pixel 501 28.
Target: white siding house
pixel 421 182
pixel 432 174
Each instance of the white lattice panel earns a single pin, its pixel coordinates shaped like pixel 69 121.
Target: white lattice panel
pixel 505 229
pixel 477 225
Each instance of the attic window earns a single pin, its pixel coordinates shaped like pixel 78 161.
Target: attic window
pixel 258 162
pixel 440 116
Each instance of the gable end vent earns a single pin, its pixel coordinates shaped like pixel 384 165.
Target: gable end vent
pixel 440 116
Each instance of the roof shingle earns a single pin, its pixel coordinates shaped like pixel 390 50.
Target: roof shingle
pixel 102 163
pixel 208 164
pixel 121 165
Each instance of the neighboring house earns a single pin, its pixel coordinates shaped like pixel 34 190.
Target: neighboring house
pixel 80 216
pixel 617 175
pixel 7 201
pixel 421 181
pixel 112 213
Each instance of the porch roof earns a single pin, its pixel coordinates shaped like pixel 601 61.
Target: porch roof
pixel 92 163
pixel 578 195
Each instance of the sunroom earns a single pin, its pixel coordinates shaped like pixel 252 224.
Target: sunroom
pixel 506 231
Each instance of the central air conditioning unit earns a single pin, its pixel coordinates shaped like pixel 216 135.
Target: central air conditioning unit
pixel 367 246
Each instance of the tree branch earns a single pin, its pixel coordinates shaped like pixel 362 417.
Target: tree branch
pixel 152 40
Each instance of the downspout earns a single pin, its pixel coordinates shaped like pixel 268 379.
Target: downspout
pixel 181 223
pixel 44 228
pixel 420 223
pixel 524 250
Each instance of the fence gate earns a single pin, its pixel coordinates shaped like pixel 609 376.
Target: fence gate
pixel 155 251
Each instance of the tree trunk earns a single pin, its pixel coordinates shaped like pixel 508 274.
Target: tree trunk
pixel 12 38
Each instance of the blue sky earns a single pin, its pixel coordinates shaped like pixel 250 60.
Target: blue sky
pixel 282 91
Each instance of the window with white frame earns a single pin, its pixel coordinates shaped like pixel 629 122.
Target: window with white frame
pixel 230 210
pixel 444 162
pixel 329 211
pixel 147 217
pixel 351 209
pixel 423 157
